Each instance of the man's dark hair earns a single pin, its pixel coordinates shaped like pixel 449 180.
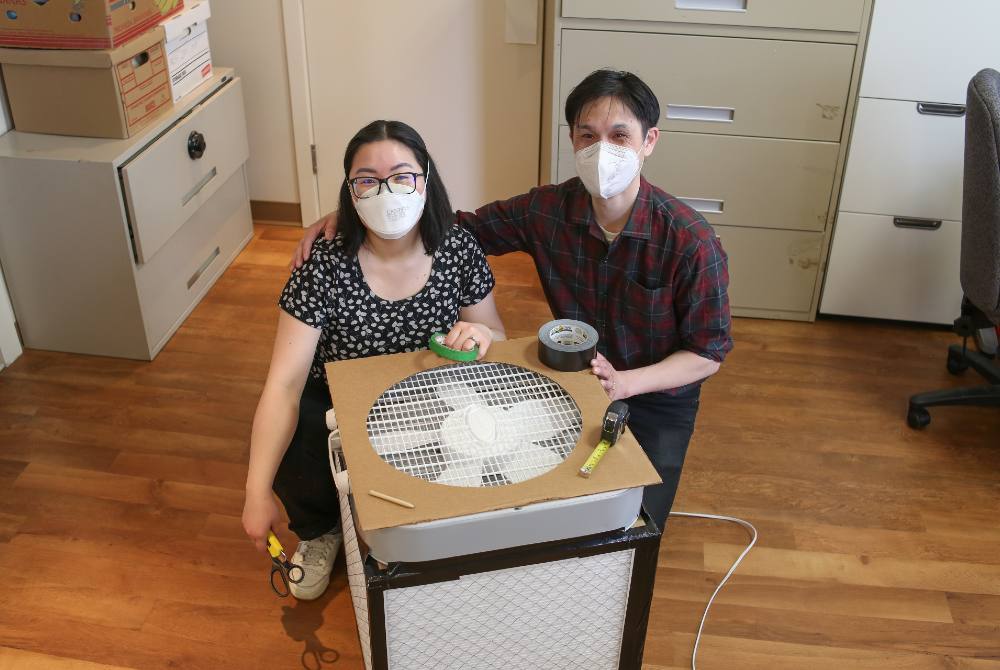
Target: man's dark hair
pixel 437 216
pixel 622 86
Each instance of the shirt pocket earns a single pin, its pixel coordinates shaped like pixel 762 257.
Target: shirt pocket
pixel 648 316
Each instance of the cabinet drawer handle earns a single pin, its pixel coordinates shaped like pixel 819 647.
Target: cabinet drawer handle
pixel 704 205
pixel 196 189
pixel 701 113
pixel 713 5
pixel 204 266
pixel 196 145
pixel 940 109
pixel 912 222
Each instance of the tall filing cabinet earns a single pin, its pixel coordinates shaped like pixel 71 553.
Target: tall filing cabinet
pixel 896 244
pixel 107 245
pixel 755 97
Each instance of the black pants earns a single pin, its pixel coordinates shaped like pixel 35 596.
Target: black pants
pixel 663 426
pixel 304 482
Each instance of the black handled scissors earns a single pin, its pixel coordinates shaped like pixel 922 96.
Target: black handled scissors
pixel 284 568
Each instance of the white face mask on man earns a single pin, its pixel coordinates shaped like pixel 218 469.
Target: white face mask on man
pixel 392 215
pixel 607 169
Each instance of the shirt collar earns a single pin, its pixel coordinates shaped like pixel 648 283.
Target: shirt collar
pixel 638 224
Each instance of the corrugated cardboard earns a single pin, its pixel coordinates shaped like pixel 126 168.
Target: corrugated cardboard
pixel 99 93
pixel 79 24
pixel 356 384
pixel 189 57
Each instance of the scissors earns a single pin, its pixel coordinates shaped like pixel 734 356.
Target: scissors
pixel 284 568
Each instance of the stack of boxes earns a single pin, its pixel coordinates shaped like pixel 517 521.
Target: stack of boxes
pixel 100 68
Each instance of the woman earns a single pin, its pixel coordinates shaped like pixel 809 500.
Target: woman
pixel 398 271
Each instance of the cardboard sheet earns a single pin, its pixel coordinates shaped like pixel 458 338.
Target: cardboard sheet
pixel 355 385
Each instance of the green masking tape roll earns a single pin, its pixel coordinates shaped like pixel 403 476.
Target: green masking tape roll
pixel 437 345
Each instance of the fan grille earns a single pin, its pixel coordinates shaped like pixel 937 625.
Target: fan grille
pixel 535 423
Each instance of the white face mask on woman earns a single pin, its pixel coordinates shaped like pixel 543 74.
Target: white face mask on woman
pixel 392 215
pixel 607 169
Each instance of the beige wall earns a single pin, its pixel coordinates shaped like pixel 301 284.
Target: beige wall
pixel 253 42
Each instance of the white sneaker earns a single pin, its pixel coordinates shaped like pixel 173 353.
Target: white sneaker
pixel 316 557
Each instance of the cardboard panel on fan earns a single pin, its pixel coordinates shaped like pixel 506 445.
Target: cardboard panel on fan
pixel 79 24
pixel 355 385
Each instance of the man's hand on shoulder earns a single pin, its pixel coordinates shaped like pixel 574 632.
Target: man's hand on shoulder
pixel 327 226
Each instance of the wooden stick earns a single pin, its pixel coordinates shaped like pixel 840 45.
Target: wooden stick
pixel 383 496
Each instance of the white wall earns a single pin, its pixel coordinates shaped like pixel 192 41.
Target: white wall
pixel 253 42
pixel 10 345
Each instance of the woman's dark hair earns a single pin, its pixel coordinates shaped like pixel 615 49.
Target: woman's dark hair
pixel 622 86
pixel 438 215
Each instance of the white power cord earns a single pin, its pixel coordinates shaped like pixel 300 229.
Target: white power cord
pixel 753 540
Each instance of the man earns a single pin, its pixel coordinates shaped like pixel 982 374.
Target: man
pixel 614 251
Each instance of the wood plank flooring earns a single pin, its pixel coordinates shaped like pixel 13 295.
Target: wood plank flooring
pixel 121 488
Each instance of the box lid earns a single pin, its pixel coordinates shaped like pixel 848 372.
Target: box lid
pixel 177 25
pixel 90 58
pixel 356 384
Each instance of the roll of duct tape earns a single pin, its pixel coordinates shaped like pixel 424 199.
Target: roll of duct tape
pixel 567 345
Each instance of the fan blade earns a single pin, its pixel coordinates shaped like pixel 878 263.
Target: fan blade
pixel 528 460
pixel 531 420
pixel 460 471
pixel 457 394
pixel 394 442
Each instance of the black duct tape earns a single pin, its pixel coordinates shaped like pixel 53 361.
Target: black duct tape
pixel 567 345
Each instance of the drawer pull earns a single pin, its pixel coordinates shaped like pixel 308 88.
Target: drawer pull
pixel 196 145
pixel 202 183
pixel 911 222
pixel 704 205
pixel 713 5
pixel 701 113
pixel 940 109
pixel 204 266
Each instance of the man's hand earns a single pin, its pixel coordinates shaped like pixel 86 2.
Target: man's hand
pixel 327 226
pixel 464 336
pixel 613 382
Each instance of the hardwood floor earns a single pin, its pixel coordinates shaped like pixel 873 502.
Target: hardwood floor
pixel 121 489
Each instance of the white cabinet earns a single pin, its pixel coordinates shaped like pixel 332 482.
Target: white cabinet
pixel 107 245
pixel 895 246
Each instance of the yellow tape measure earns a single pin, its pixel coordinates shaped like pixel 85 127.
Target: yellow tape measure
pixel 611 429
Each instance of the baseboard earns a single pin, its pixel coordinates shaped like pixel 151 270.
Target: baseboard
pixel 281 213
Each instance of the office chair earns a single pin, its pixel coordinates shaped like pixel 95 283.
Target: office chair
pixel 980 261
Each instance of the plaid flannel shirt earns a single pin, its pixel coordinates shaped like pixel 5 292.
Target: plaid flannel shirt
pixel 659 287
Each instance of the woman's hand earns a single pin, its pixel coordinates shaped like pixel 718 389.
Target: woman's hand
pixel 465 335
pixel 613 382
pixel 327 226
pixel 260 515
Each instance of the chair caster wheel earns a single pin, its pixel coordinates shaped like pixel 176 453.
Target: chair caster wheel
pixel 956 364
pixel 918 417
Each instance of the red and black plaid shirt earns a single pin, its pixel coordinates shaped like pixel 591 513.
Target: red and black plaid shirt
pixel 659 287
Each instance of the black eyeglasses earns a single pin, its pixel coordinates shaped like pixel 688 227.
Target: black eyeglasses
pixel 402 183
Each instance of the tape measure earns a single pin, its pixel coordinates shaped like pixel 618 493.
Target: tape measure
pixel 437 345
pixel 611 429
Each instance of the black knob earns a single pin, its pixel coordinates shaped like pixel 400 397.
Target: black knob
pixel 196 145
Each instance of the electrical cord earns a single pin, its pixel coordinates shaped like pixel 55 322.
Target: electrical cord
pixel 753 540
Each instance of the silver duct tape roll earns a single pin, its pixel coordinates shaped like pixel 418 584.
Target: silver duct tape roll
pixel 567 345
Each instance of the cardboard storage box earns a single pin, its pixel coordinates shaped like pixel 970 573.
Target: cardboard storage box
pixel 79 24
pixel 189 57
pixel 104 93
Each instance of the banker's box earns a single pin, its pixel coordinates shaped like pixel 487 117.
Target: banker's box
pixel 110 93
pixel 189 57
pixel 79 24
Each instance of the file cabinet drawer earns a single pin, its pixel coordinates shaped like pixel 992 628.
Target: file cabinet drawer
pixel 771 269
pixel 170 284
pixel 763 88
pixel 169 180
pixel 929 49
pixel 839 15
pixel 904 163
pixel 883 271
pixel 741 181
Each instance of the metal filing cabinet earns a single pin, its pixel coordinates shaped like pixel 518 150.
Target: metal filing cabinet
pixel 896 246
pixel 754 98
pixel 107 245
